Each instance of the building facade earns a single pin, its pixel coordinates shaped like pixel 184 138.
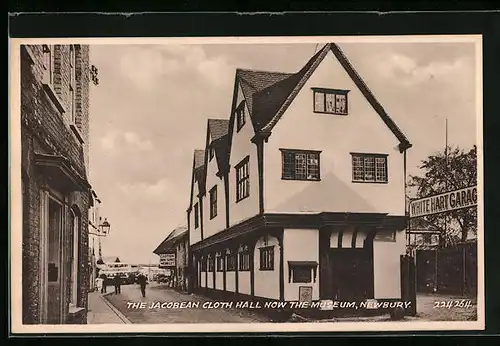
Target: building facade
pixel 317 215
pixel 56 193
pixel 95 233
pixel 173 253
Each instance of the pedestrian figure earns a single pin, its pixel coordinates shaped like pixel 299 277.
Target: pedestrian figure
pixel 117 282
pixel 104 283
pixel 143 281
pixel 99 284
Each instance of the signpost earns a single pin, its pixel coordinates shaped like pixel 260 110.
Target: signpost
pixel 167 260
pixel 444 202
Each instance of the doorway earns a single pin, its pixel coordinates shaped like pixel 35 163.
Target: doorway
pixel 352 273
pixel 54 260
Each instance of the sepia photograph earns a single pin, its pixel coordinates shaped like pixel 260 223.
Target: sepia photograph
pixel 246 184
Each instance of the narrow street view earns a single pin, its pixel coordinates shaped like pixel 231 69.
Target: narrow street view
pixel 320 181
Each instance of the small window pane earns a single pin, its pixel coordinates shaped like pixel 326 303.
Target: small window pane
pixel 300 166
pixel 369 168
pixel 330 103
pixel 341 104
pixel 319 102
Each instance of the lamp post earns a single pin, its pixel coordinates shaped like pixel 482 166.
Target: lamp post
pixel 102 231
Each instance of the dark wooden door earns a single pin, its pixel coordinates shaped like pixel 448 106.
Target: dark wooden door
pixel 352 274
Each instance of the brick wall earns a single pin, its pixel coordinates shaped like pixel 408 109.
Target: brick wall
pixel 44 129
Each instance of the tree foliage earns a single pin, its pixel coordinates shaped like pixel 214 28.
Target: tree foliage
pixel 449 170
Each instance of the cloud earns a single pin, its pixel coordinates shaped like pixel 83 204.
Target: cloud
pixel 134 139
pixel 158 189
pixel 143 66
pixel 406 71
pixel 110 141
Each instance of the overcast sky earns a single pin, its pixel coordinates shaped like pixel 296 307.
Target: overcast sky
pixel 149 113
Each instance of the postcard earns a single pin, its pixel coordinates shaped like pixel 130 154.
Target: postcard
pixel 246 184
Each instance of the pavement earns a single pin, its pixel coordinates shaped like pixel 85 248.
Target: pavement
pixel 100 311
pixel 161 293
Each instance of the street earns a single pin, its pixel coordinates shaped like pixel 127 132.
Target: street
pixel 161 293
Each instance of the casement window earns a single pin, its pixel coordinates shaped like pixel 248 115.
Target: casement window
pixel 302 271
pixel 369 168
pixel 242 179
pixel 196 217
pixel 220 262
pixel 331 101
pixel 72 84
pixel 244 258
pixel 204 264
pixel 300 164
pixel 213 202
pixel 240 116
pixel 267 258
pixel 48 63
pixel 231 260
pixel 210 264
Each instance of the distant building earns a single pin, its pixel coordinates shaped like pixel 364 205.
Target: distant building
pixel 176 247
pixel 56 192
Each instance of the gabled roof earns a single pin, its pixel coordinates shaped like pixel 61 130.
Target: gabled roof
pixel 253 82
pixel 269 94
pixel 217 131
pixel 198 168
pixel 168 242
pixel 218 128
pixel 199 156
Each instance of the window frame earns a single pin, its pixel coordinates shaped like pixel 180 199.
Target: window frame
pixel 365 156
pixel 210 264
pixel 311 266
pixel 242 253
pixel 295 152
pixel 196 216
pixel 240 116
pixel 263 266
pixel 335 92
pixel 219 262
pixel 242 180
pixel 49 71
pixel 213 202
pixel 231 261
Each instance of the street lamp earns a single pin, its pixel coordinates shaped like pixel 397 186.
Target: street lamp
pixel 103 229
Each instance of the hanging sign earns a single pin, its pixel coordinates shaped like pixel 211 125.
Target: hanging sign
pixel 448 201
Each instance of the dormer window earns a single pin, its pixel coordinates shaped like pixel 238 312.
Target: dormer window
pixel 330 101
pixel 240 116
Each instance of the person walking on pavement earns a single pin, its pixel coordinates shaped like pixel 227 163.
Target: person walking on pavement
pixel 99 284
pixel 143 281
pixel 104 283
pixel 117 282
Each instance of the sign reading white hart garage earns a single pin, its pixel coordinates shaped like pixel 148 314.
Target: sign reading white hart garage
pixel 167 259
pixel 448 201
